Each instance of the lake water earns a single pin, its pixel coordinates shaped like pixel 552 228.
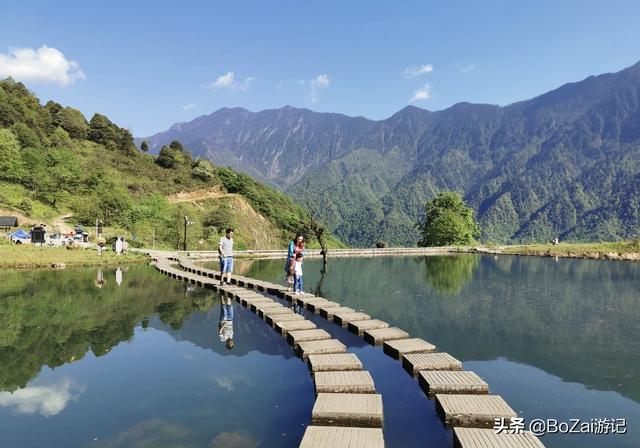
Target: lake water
pixel 130 358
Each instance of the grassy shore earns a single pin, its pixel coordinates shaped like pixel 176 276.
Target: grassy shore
pixel 26 257
pixel 621 250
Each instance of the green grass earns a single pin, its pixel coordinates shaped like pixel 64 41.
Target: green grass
pixel 26 256
pixel 618 247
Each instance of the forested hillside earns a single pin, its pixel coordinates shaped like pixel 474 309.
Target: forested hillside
pixel 56 167
pixel 565 164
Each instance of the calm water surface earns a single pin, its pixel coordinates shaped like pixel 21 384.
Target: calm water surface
pixel 557 339
pixel 129 358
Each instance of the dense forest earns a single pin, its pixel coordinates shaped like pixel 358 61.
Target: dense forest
pixel 58 168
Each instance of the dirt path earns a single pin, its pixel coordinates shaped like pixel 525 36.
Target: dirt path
pixel 61 226
pixel 199 195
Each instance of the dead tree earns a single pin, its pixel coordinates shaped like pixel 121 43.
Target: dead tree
pixel 312 223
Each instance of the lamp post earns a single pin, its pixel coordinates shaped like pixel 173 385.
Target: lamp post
pixel 186 223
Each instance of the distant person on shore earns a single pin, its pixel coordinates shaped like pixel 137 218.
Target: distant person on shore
pixel 118 245
pixel 296 246
pixel 225 328
pixel 225 250
pixel 297 274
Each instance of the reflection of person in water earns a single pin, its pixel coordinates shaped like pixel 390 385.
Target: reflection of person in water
pixel 225 329
pixel 100 281
pixel 118 276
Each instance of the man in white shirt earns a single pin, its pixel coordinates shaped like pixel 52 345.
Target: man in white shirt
pixel 225 250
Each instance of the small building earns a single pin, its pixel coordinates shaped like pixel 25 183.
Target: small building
pixel 8 222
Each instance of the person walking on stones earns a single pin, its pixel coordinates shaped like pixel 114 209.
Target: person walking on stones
pixel 297 274
pixel 225 250
pixel 296 246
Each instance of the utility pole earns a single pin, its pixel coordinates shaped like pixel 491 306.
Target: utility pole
pixel 153 238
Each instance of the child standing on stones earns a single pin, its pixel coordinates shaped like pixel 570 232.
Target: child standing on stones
pixel 297 274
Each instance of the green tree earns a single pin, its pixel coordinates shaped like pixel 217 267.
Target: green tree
pixel 144 146
pixel 169 157
pixel 11 166
pixel 203 170
pixel 72 121
pixel 447 221
pixel 102 130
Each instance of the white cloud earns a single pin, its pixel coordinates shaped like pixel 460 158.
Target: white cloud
pixel 188 106
pixel 466 68
pixel 45 400
pixel 412 72
pixel 318 83
pixel 228 81
pixel 421 94
pixel 42 65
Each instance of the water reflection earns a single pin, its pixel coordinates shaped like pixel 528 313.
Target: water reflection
pixel 141 364
pixel 576 321
pixel 449 274
pixel 46 399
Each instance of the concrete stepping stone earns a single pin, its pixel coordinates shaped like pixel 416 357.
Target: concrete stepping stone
pixel 248 301
pixel 292 325
pixel 343 319
pixel 334 362
pixel 361 410
pixel 305 299
pixel 359 326
pixel 305 349
pixel 314 306
pixel 400 347
pixel 380 335
pixel 328 312
pixel 346 382
pixel 263 311
pixel 273 319
pixel 489 438
pixel 474 411
pixel 342 437
pixel 451 382
pixel 295 337
pixel 415 362
pixel 257 306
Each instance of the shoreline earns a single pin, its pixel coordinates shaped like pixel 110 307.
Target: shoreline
pixel 30 258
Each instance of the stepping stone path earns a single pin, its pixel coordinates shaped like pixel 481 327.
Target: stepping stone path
pixel 340 437
pixel 348 412
pixel 362 410
pixel 400 347
pixel 473 410
pixel 359 326
pixel 451 382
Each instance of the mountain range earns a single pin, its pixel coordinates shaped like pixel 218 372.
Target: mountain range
pixel 564 164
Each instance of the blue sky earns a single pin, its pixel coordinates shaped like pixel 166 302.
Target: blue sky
pixel 148 65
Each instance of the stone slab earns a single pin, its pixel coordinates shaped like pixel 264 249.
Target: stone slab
pixel 342 319
pixel 400 347
pixel 283 327
pixel 314 306
pixel 451 382
pixel 263 311
pixel 295 337
pixel 334 362
pixel 473 411
pixel 273 319
pixel 346 382
pixel 328 313
pixel 342 437
pixel 381 335
pixel 489 438
pixel 361 410
pixel 320 348
pixel 415 362
pixel 359 326
pixel 257 306
pixel 246 302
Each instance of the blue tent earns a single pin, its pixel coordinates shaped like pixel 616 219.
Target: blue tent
pixel 20 234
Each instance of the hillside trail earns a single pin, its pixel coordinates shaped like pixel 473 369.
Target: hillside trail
pixel 61 226
pixel 199 195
